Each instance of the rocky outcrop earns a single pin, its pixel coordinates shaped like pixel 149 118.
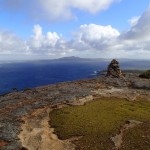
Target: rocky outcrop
pixel 114 70
pixel 17 109
pixel 37 133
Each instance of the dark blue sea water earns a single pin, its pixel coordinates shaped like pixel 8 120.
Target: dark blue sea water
pixel 37 73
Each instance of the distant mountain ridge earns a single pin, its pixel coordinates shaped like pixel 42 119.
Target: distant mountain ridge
pixel 74 58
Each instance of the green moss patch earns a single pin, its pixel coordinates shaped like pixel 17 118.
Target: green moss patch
pixel 97 121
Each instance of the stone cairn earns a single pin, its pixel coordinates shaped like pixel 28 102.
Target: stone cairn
pixel 114 70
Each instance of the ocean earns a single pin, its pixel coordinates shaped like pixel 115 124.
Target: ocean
pixel 24 75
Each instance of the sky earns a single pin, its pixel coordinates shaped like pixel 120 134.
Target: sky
pixel 48 29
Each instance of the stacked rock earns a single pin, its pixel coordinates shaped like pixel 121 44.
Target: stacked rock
pixel 114 70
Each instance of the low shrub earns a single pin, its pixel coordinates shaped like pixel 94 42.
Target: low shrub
pixel 146 74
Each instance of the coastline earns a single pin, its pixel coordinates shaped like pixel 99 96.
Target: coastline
pixel 19 105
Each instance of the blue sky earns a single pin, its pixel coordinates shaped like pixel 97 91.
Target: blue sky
pixel 49 29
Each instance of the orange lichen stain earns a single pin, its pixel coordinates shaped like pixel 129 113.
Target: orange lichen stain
pixel 3 143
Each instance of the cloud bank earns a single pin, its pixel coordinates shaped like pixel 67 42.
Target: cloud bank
pixel 55 9
pixel 92 39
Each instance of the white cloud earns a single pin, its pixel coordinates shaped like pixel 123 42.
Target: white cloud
pixel 94 37
pixel 37 38
pixel 63 8
pixel 37 30
pixel 94 32
pixel 134 20
pixel 51 43
pixel 38 44
pixel 141 30
pixel 56 9
pixel 10 43
pixel 106 41
pixel 136 41
pixel 94 40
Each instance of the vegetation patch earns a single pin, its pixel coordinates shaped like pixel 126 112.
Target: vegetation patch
pixel 137 138
pixel 98 121
pixel 146 74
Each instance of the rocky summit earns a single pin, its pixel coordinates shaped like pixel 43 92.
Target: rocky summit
pixel 114 70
